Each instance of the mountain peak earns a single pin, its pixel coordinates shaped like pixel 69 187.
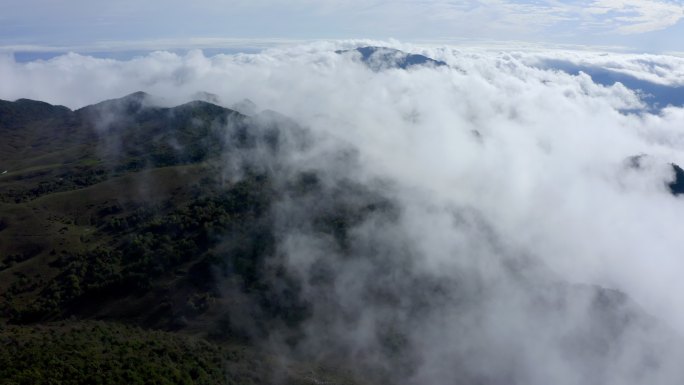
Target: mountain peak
pixel 207 97
pixel 137 95
pixel 128 105
pixel 379 58
pixel 245 107
pixel 22 110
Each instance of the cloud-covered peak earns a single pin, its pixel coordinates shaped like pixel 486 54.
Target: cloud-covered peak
pixel 378 58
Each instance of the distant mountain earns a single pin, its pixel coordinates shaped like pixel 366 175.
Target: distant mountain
pixel 675 185
pixel 129 104
pixel 378 58
pixel 26 110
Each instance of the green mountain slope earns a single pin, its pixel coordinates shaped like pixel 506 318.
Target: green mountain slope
pixel 119 212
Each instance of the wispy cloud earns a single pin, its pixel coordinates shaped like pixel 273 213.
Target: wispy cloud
pixel 604 16
pixel 636 16
pixel 156 44
pixel 77 22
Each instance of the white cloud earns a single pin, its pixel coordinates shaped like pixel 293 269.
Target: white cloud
pixel 149 45
pixel 665 70
pixel 637 16
pixel 489 160
pixel 74 23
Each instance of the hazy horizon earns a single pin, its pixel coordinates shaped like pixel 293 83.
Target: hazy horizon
pixel 653 26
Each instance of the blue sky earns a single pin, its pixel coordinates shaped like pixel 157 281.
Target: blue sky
pixel 85 25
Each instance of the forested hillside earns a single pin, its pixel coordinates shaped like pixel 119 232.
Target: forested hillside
pixel 132 215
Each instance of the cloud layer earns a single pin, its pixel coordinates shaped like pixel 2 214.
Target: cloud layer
pixel 508 180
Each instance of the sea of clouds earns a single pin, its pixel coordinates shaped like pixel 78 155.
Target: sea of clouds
pixel 512 175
